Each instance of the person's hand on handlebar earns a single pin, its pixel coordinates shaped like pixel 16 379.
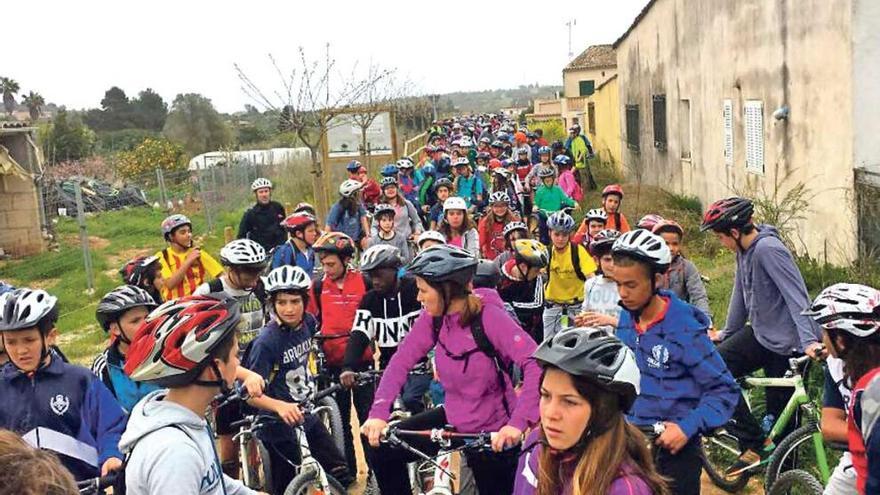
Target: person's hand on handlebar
pixel 817 351
pixel 348 378
pixel 252 382
pixel 373 429
pixel 507 437
pixel 289 412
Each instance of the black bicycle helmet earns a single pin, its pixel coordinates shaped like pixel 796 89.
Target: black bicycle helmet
pixel 728 213
pixel 444 263
pixel 488 274
pixel 120 300
pixel 381 256
pixel 596 355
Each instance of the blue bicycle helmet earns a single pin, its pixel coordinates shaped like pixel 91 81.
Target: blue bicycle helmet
pixel 353 166
pixel 560 221
pixel 390 170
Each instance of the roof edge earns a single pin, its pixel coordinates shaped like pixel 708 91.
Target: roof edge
pixel 606 82
pixel 635 22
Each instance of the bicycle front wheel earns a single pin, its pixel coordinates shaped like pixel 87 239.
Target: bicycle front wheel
pixel 332 419
pixel 306 483
pixel 719 451
pixel 256 470
pixel 796 451
pixel 796 482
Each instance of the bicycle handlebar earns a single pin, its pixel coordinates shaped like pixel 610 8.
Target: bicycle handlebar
pixel 95 485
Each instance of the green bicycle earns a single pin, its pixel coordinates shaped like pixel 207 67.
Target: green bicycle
pixel 802 449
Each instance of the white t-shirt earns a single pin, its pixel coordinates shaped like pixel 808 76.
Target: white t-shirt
pixel 601 296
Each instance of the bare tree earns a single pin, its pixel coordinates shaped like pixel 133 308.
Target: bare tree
pixel 375 100
pixel 310 96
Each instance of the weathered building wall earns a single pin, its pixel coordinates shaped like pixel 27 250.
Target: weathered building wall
pixel 19 217
pixel 606 140
pixel 775 52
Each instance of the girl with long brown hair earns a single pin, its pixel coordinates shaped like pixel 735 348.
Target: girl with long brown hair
pixel 458 227
pixel 584 446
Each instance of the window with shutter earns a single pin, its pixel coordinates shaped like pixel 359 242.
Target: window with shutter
pixel 727 123
pixel 591 117
pixel 587 87
pixel 684 128
pixel 659 115
pixel 632 127
pixel 753 111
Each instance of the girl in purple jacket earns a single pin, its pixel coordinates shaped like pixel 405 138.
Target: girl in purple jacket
pixel 590 379
pixel 479 397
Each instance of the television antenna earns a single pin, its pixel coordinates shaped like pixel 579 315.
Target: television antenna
pixel 570 24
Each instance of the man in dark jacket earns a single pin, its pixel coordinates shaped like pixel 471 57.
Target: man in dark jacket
pixel 262 222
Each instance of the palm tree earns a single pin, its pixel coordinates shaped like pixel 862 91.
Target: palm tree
pixel 34 103
pixel 8 88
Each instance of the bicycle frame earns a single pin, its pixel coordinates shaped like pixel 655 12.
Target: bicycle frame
pixel 799 400
pixel 307 461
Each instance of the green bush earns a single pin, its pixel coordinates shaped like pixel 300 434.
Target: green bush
pixel 554 130
pixel 151 154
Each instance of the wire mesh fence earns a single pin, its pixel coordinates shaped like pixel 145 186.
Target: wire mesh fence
pixel 96 226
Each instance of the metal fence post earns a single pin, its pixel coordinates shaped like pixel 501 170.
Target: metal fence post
pixel 206 203
pixel 160 181
pixel 84 238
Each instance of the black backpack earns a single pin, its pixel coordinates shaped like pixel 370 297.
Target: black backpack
pixel 485 346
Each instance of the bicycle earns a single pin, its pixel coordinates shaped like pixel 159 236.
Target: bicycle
pixel 796 482
pixel 310 477
pixel 720 448
pixel 432 474
pixel 99 485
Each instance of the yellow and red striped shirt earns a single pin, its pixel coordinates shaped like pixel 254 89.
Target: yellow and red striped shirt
pixel 171 261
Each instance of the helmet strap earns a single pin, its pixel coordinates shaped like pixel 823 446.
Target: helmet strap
pixel 219 382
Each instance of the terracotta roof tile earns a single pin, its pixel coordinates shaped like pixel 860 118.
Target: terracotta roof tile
pixel 593 57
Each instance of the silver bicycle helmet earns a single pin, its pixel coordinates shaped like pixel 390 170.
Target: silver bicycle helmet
pixel 27 308
pixel 430 235
pixel 560 221
pixel 120 300
pixel 598 214
pixel 349 187
pixel 381 256
pixel 596 355
pixel 444 263
pixel 499 197
pixel 510 227
pixel 174 221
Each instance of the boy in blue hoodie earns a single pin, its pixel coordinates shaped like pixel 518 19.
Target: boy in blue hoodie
pixel 769 293
pixel 685 385
pixel 54 405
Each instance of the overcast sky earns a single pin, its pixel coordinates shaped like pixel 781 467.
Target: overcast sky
pixel 71 52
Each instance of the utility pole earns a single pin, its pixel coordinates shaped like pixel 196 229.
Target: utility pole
pixel 570 24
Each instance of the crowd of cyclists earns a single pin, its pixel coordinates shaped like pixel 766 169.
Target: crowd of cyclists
pixel 465 279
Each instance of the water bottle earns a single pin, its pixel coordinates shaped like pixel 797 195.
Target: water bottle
pixel 767 423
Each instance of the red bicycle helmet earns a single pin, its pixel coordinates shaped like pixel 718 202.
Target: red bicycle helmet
pixel 298 221
pixel 175 342
pixel 728 213
pixel 612 189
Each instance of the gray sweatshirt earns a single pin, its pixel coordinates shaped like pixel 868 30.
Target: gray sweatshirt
pixel 684 280
pixel 398 241
pixel 406 221
pixel 769 293
pixel 175 452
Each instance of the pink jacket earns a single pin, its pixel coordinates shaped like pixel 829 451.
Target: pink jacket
pixel 570 186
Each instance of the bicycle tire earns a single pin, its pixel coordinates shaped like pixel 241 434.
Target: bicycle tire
pixel 776 467
pixel 262 472
pixel 372 484
pixel 715 460
pixel 304 484
pixel 332 419
pixel 806 482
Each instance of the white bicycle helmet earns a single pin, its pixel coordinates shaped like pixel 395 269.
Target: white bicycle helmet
pixel 560 221
pixel 510 227
pixel 503 172
pixel 349 187
pixel 499 197
pixel 454 203
pixel 461 162
pixel 644 246
pixel 466 142
pixel 286 277
pixel 404 163
pixel 596 214
pixel 381 256
pixel 430 235
pixel 261 183
pixel 27 308
pixel 243 252
pixel 596 355
pixel 853 308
